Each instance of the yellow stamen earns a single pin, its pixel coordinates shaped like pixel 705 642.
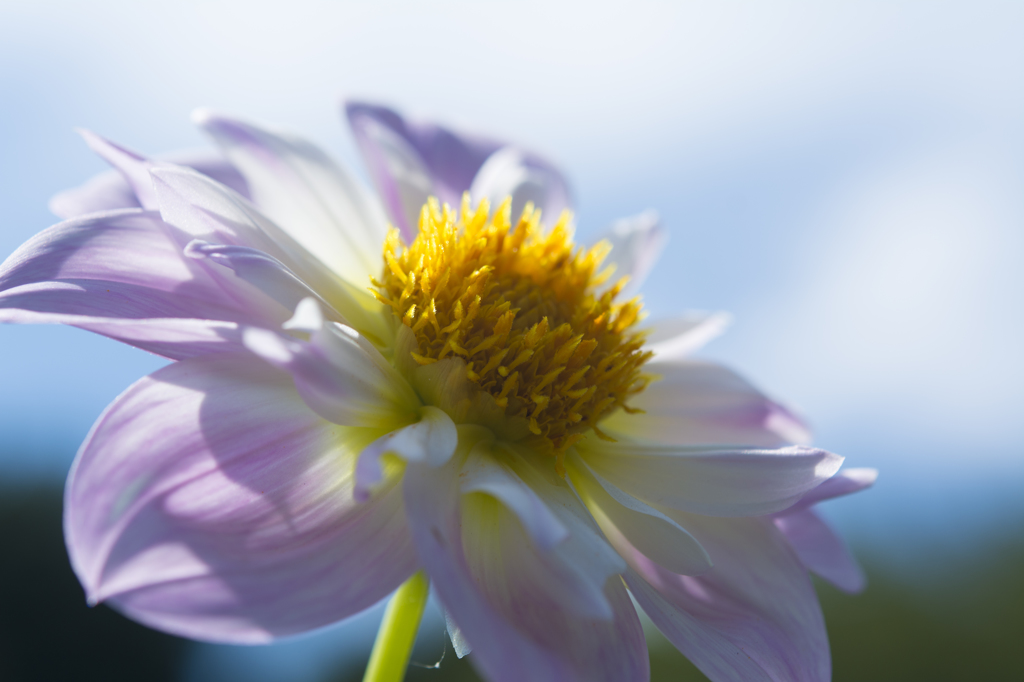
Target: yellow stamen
pixel 519 305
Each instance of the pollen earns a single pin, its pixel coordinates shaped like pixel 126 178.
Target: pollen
pixel 523 308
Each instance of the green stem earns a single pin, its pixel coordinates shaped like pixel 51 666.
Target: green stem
pixel 391 651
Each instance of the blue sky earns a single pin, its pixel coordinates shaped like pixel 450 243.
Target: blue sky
pixel 845 178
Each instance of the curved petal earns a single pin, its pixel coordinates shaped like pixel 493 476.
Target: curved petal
pixel 410 160
pixel 675 338
pixel 123 265
pixel 821 550
pixel 176 338
pixel 702 403
pixel 339 374
pixel 210 502
pixel 431 440
pixel 655 535
pixel 511 172
pixel 483 473
pixel 636 242
pixel 301 189
pixel 261 270
pixel 133 167
pixel 754 616
pixel 845 482
pixel 720 482
pixel 109 190
pixel 202 209
pixel 489 586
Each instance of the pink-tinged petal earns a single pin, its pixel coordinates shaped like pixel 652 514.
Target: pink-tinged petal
pixel 516 630
pixel 636 242
pixel 210 502
pixel 202 209
pixel 431 440
pixel 341 376
pixel 483 473
pixel 301 189
pixel 410 160
pixel 511 172
pixel 821 550
pixel 109 190
pixel 122 265
pixel 655 535
pixel 720 482
pixel 675 338
pixel 754 616
pixel 701 403
pixel 845 482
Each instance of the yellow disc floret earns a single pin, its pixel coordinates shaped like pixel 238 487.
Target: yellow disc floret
pixel 521 307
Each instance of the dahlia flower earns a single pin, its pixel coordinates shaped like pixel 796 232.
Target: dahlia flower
pixel 430 384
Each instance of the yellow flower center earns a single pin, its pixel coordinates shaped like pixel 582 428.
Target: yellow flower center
pixel 522 309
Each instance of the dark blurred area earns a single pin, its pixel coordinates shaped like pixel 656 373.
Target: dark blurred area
pixel 961 618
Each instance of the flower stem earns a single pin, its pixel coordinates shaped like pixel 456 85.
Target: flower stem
pixel 390 655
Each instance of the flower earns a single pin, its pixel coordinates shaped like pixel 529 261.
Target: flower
pixel 483 403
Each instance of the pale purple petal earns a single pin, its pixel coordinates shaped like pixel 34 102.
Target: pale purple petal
pixel 176 338
pixel 754 616
pixel 821 550
pixel 530 637
pixel 701 403
pixel 132 166
pixel 409 160
pixel 655 535
pixel 636 242
pixel 122 265
pixel 306 193
pixel 716 482
pixel 431 440
pixel 675 338
pixel 210 502
pixel 109 190
pixel 845 482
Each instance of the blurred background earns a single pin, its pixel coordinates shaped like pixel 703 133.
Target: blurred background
pixel 847 179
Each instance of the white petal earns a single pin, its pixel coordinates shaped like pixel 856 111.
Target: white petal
pixel 483 473
pixel 263 271
pixel 515 628
pixel 509 172
pixel 203 209
pixel 675 338
pixel 637 242
pixel 339 375
pixel 701 403
pixel 657 536
pixel 846 482
pixel 301 189
pixel 431 440
pixel 722 482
